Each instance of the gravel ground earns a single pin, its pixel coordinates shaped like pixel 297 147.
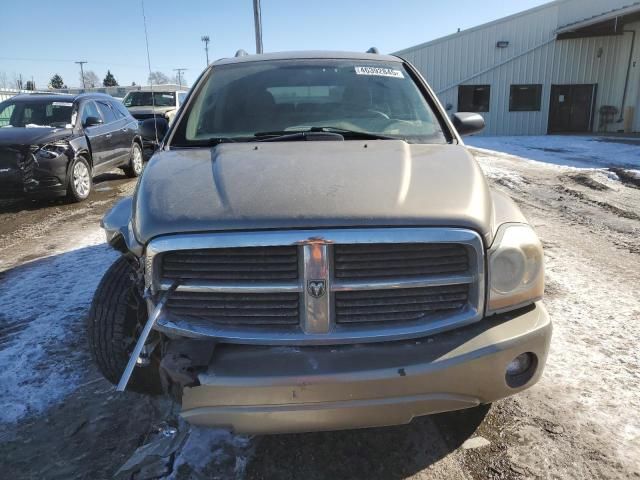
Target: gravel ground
pixel 61 420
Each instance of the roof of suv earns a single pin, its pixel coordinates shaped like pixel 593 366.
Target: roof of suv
pixel 59 97
pixel 314 54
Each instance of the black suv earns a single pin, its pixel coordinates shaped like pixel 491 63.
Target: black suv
pixel 53 145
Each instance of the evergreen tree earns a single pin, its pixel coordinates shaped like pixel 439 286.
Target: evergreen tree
pixel 109 80
pixel 56 82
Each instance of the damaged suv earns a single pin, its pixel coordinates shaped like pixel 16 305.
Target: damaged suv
pixel 314 248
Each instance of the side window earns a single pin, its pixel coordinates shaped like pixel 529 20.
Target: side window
pixel 107 113
pixel 181 97
pixel 116 110
pixel 474 98
pixel 5 115
pixel 119 107
pixel 89 110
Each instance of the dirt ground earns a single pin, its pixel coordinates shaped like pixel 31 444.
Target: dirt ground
pixel 581 421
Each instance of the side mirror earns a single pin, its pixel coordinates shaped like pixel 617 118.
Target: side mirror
pixel 92 122
pixel 151 126
pixel 468 123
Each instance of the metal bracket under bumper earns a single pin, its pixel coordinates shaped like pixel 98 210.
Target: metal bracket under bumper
pixel 135 355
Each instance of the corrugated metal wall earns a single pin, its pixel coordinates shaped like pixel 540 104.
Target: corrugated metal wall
pixel 532 57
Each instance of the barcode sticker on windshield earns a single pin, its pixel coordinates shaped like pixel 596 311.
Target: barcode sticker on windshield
pixel 379 72
pixel 62 104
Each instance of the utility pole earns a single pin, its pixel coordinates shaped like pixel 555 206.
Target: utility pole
pixel 205 39
pixel 81 63
pixel 179 75
pixel 257 17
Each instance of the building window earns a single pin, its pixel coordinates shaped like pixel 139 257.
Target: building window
pixel 474 98
pixel 525 98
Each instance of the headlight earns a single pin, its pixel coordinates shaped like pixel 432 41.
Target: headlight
pixel 50 150
pixel 516 268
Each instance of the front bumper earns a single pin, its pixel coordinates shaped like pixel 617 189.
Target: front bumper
pixel 254 389
pixel 46 178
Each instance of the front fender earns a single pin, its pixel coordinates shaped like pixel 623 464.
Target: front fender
pixel 505 210
pixel 117 226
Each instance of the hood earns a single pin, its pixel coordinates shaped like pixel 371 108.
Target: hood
pixel 148 110
pixel 312 184
pixel 11 136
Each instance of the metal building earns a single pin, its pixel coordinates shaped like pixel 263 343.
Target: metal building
pixel 566 66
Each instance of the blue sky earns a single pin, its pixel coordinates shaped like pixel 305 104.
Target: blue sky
pixel 41 37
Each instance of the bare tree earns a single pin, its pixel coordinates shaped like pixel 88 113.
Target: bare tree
pixel 4 81
pixel 157 78
pixel 179 80
pixel 17 81
pixel 91 80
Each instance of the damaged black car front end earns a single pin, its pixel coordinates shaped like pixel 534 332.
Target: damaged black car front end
pixel 37 169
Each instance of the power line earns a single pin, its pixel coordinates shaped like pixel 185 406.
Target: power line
pixel 179 74
pixel 81 63
pixel 67 60
pixel 205 39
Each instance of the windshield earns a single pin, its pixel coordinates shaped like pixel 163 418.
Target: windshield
pixel 241 100
pixel 34 114
pixel 144 99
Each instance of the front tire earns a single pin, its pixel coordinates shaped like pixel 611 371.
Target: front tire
pixel 79 184
pixel 136 162
pixel 117 315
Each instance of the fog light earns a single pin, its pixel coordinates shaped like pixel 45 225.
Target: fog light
pixel 521 369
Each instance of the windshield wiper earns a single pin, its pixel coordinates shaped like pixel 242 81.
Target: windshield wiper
pixel 329 134
pixel 293 135
pixel 356 133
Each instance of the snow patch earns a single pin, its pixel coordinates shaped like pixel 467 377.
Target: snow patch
pixel 572 151
pixel 206 447
pixel 43 307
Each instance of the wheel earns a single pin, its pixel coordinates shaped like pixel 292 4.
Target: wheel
pixel 134 169
pixel 117 315
pixel 79 183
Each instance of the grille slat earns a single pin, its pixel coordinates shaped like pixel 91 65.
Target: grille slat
pixel 406 300
pixel 400 292
pixel 399 260
pixel 214 267
pixel 382 264
pixel 382 272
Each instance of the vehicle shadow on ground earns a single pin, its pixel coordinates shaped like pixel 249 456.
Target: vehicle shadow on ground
pixel 390 452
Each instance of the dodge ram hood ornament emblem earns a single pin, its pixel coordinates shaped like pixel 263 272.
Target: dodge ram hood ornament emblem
pixel 317 288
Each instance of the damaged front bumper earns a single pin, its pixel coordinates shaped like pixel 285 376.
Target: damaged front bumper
pixel 23 173
pixel 271 389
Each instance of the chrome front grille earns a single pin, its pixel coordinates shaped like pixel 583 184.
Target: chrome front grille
pixel 399 305
pixel 336 286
